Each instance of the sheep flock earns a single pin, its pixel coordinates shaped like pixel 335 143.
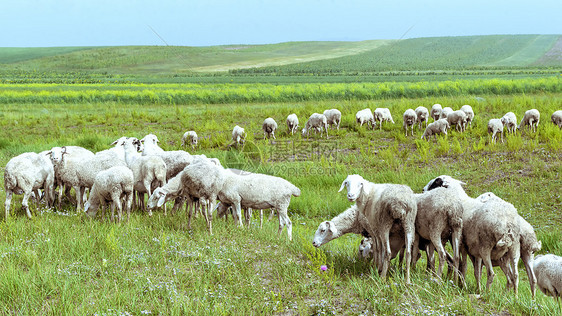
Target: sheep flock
pixel 392 218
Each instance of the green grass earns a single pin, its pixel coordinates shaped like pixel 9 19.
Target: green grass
pixel 61 263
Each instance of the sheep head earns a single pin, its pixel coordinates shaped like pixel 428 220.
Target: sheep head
pixel 354 185
pixel 444 181
pixel 57 154
pixel 326 231
pixel 157 199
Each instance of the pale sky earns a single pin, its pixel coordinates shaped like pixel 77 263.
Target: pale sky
pixel 30 23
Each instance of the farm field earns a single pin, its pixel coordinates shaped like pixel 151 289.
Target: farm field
pixel 60 262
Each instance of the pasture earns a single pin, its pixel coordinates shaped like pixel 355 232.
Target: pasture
pixel 63 263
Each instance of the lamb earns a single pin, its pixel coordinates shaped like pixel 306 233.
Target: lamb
pixel 409 119
pixel 422 115
pixel 269 126
pixel 556 118
pixel 436 110
pixel 318 122
pixel 190 137
pixel 467 109
pixel 292 123
pixel 365 116
pixel 509 121
pixel 445 112
pixel 438 127
pixel 148 172
pixel 532 118
pixel 238 135
pixel 345 223
pixel 26 174
pixel 256 191
pixel 115 185
pixel 458 118
pixel 548 269
pixel 383 115
pixel 529 244
pixel 56 154
pixel 380 206
pixel 490 231
pixel 440 217
pixel 333 117
pixel 495 126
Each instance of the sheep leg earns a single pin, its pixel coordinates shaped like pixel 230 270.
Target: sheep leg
pixel 528 261
pixel 9 194
pixel 129 203
pixel 488 263
pixel 410 232
pixel 456 240
pixel 24 203
pixel 116 203
pixel 208 214
pixel 238 212
pixel 477 263
pixel 285 221
pixel 79 200
pixel 436 242
pixel 261 219
pixel 189 206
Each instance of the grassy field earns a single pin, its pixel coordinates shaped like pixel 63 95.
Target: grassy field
pixel 62 263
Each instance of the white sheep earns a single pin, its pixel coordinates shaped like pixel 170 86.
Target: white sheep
pixel 422 116
pixel 509 121
pixel 495 126
pixel 365 116
pixel 256 191
pixel 409 118
pixel 458 118
pixel 436 110
pixel 556 118
pixel 490 231
pixel 467 109
pixel 113 185
pixel 269 127
pixel 292 123
pixel 380 206
pixel 318 122
pixel 440 217
pixel 191 138
pixel 26 174
pixel 148 172
pixel 238 135
pixel 445 112
pixel 548 270
pixel 333 117
pixel 382 115
pixel 532 118
pixel 440 126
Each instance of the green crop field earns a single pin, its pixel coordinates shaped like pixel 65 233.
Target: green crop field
pixel 62 263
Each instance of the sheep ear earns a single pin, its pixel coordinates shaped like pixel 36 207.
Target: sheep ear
pixel 331 227
pixel 161 200
pixel 115 142
pixel 344 183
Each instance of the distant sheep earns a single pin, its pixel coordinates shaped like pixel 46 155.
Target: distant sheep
pixel 238 135
pixel 467 109
pixel 365 116
pixel 445 112
pixel 113 185
pixel 318 122
pixel 436 110
pixel 438 127
pixel 382 115
pixel 532 118
pixel 269 127
pixel 292 123
pixel 509 121
pixel 422 116
pixel 191 138
pixel 556 118
pixel 458 118
pixel 495 126
pixel 333 117
pixel 409 119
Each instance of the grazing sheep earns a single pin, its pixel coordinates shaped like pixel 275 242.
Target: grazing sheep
pixel 409 119
pixel 190 137
pixel 380 206
pixel 556 118
pixel 467 109
pixel 26 174
pixel 528 242
pixel 436 110
pixel 241 189
pixel 490 231
pixel 345 223
pixel 509 121
pixel 56 154
pixel 292 123
pixel 532 118
pixel 439 218
pixel 422 116
pixel 113 185
pixel 238 135
pixel 382 115
pixel 548 269
pixel 495 126
pixel 445 112
pixel 269 126
pixel 365 116
pixel 333 117
pixel 148 172
pixel 318 122
pixel 458 118
pixel 438 127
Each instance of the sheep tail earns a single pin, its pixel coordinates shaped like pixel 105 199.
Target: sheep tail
pixel 10 181
pixel 296 191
